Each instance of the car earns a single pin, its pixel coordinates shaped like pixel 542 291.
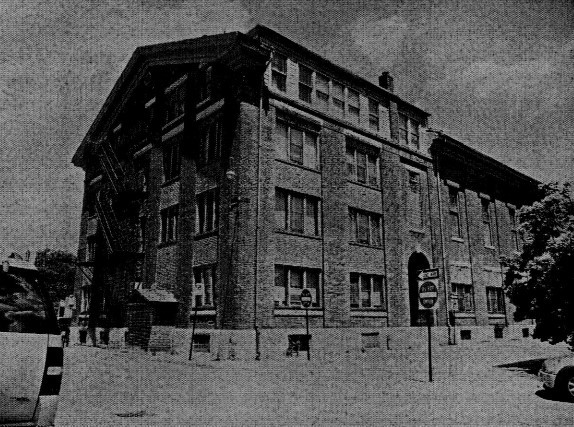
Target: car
pixel 557 375
pixel 31 352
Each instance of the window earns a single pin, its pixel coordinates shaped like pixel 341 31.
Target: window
pixel 338 94
pixel 513 230
pixel 171 162
pixel 91 249
pixel 205 84
pixel 465 297
pixel 305 83
pixel 210 137
pixel 142 175
pixel 403 129
pixel 362 164
pixel 169 219
pixel 486 223
pixel 201 343
pixel 414 139
pixel 297 145
pixel 206 211
pixel 290 281
pixel 495 300
pixel 174 103
pixel 322 90
pixel 353 105
pixel 366 291
pixel 414 200
pixel 365 227
pixel 296 212
pixel 454 212
pixel 373 115
pixel 204 283
pixel 279 71
pixel 409 131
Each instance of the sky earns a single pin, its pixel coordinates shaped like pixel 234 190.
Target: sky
pixel 497 75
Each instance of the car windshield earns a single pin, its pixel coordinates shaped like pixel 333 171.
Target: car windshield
pixel 23 309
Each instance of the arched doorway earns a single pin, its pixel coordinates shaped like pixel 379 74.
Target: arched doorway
pixel 417 262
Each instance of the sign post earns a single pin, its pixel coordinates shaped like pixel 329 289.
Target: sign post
pixel 197 290
pixel 428 297
pixel 306 299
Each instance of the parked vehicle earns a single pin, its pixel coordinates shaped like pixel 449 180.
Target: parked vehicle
pixel 31 353
pixel 557 374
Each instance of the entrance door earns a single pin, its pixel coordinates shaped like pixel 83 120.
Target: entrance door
pixel 417 262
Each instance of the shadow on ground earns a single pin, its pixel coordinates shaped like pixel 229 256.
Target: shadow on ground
pixel 531 366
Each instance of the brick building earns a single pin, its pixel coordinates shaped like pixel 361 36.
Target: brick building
pixel 229 172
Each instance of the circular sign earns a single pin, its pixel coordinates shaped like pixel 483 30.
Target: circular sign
pixel 428 294
pixel 306 298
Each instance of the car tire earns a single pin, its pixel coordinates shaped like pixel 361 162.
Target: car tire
pixel 565 384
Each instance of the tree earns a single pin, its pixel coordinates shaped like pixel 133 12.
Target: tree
pixel 57 270
pixel 540 280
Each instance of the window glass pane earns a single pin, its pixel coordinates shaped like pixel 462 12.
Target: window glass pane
pixel 351 173
pixel 354 290
pixel 365 291
pixel 310 151
pixel 296 148
pixel 311 217
pixel 361 167
pixel 322 90
pixel 373 171
pixel 280 286
pixel 282 135
pixel 280 209
pixel 455 230
pixel 305 75
pixel 363 228
pixel 297 214
pixel 377 291
pixel 375 230
pixel 279 62
pixel 338 98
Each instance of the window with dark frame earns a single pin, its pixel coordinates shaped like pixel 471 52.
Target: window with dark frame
pixel 305 83
pixel 91 254
pixel 365 227
pixel 414 136
pixel 338 95
pixel 291 280
pixel 373 115
pixel 409 131
pixel 465 298
pixel 495 300
pixel 322 90
pixel 363 164
pixel 454 212
pixel 210 140
pixel 207 212
pixel 297 144
pixel 169 224
pixel 403 129
pixel 353 106
pixel 296 212
pixel 171 161
pixel 174 103
pixel 279 71
pixel 204 297
pixel 486 223
pixel 367 291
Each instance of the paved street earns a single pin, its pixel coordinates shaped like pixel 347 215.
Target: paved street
pixel 379 387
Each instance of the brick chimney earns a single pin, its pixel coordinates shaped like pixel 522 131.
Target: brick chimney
pixel 386 81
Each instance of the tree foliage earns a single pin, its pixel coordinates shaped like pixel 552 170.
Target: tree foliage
pixel 57 270
pixel 540 280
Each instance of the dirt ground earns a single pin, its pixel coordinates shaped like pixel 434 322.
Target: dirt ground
pixel 483 383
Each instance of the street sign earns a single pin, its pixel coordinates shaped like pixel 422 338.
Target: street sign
pixel 428 289
pixel 306 298
pixel 431 273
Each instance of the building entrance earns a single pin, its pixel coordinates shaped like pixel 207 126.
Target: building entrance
pixel 417 262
